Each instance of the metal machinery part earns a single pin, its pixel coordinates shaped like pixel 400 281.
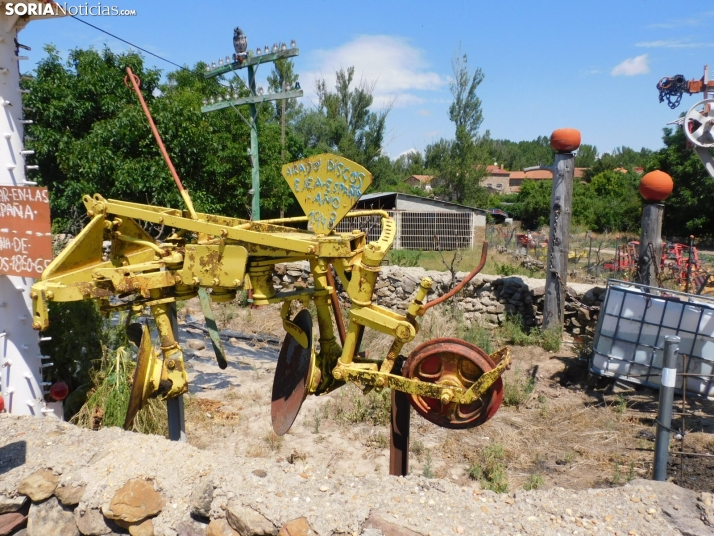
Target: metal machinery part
pixel 292 375
pixel 225 255
pixel 698 123
pixel 457 364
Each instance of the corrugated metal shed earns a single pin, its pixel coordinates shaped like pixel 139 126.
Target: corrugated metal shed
pixel 413 203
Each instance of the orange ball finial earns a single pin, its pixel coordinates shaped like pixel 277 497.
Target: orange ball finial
pixel 656 186
pixel 565 140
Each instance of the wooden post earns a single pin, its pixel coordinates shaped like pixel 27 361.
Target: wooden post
pixel 655 187
pixel 564 142
pixel 650 255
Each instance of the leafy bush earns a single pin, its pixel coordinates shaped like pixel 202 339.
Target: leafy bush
pixel 489 469
pixel 517 389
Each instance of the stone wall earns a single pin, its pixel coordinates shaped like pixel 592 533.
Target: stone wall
pixel 485 301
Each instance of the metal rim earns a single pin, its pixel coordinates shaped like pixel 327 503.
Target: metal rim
pixel 292 375
pixel 702 135
pixel 455 363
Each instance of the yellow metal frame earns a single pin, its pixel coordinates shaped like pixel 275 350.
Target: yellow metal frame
pixel 228 254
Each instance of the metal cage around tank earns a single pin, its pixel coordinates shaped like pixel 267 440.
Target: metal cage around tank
pixel 635 319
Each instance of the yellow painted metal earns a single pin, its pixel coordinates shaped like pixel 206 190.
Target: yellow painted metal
pixel 327 187
pixel 225 254
pixel 214 265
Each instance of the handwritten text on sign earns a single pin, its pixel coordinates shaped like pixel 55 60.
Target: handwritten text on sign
pixel 25 231
pixel 327 187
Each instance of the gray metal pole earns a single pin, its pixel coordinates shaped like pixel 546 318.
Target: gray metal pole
pixel 556 270
pixel 664 413
pixel 174 406
pixel 255 177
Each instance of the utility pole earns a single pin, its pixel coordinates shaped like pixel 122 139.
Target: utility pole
pixel 564 141
pixel 252 61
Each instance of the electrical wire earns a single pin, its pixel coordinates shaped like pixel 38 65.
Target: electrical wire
pixel 130 44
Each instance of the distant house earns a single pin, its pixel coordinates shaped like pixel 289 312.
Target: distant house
pixel 496 179
pixel 420 181
pixel 516 178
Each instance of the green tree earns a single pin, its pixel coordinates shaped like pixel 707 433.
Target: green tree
pixel 689 209
pixel 462 170
pixel 586 156
pixel 343 123
pixel 90 135
pixel 284 77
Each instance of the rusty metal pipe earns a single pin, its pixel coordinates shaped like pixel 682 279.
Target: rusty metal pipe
pixel 184 194
pixel 484 253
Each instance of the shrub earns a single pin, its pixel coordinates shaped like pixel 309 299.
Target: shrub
pixel 489 469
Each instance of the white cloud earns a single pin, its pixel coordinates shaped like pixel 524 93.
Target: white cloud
pixel 673 43
pixel 395 67
pixel 408 151
pixel 424 112
pixel 632 66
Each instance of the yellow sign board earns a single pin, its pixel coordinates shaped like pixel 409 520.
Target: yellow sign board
pixel 327 187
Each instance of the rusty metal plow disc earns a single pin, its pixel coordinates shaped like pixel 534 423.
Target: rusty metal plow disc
pixel 452 363
pixel 290 384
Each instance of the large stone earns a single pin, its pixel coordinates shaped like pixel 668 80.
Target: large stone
pixel 247 521
pixel 50 517
pixel 143 528
pixel 11 522
pixel 39 485
pixel 190 527
pixel 201 499
pixel 296 527
pixel 11 504
pixel 134 501
pixel 196 344
pixel 375 521
pixel 91 522
pixel 220 527
pixel 70 495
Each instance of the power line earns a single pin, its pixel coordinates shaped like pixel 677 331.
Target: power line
pixel 130 44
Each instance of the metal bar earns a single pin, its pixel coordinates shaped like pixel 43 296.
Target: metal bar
pixel 693 454
pixel 254 157
pixel 253 99
pixel 174 406
pixel 664 415
pixel 399 433
pixel 336 305
pixel 689 264
pixel 252 61
pixel 184 194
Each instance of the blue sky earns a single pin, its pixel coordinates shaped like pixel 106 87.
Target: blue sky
pixel 587 65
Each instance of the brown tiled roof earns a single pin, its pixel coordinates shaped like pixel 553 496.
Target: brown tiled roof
pixel 539 175
pixel 517 175
pixel 580 172
pixel 495 170
pixel 422 178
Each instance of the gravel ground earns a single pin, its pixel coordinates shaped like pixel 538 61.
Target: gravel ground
pixel 332 503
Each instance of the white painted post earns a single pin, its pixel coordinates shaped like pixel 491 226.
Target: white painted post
pixel 20 360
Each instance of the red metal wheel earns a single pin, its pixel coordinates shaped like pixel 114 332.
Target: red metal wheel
pixel 453 363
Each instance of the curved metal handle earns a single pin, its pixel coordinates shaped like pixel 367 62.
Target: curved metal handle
pixel 465 281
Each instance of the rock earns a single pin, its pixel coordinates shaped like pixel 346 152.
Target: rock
pixel 134 501
pixel 409 285
pixel 375 521
pixel 145 528
pixel 296 527
pixel 247 521
pixel 201 499
pixel 10 522
pixel 11 504
pixel 50 517
pixel 190 527
pixel 39 485
pixel 260 473
pixel 220 527
pixel 196 344
pixel 70 495
pixel 91 522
